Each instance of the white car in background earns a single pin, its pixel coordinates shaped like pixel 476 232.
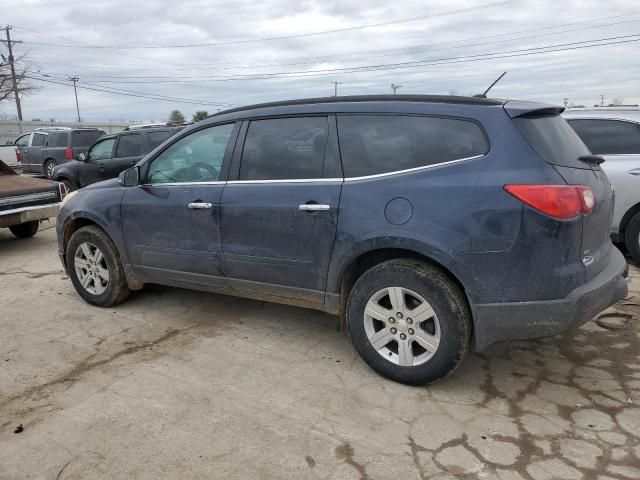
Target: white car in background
pixel 614 133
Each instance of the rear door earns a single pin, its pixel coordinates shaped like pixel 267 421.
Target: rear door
pixel 279 214
pixel 558 144
pixel 130 149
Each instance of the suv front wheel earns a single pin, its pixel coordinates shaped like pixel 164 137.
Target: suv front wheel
pixel 409 321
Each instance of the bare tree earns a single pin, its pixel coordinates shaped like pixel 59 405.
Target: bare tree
pixel 617 101
pixel 25 87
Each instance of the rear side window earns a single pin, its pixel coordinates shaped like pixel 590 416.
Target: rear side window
pixel 85 138
pixel 374 144
pixel 156 138
pixel 553 139
pixel 608 137
pixel 38 140
pixel 57 140
pixel 284 148
pixel 130 145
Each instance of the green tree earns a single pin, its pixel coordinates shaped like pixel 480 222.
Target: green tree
pixel 199 115
pixel 176 116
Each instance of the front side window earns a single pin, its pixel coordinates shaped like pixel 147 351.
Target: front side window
pixel 608 137
pixel 195 158
pixel 284 149
pixel 23 141
pixel 130 146
pixel 102 150
pixel 374 144
pixel 38 140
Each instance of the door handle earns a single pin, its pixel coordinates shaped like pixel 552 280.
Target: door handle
pixel 199 205
pixel 313 207
pixel 635 171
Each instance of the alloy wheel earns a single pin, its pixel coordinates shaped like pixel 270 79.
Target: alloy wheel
pixel 91 268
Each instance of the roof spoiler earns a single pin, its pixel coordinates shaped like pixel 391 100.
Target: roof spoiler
pixel 517 109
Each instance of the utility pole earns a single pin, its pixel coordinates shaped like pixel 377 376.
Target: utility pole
pixel 602 100
pixel 395 87
pixel 13 69
pixel 566 102
pixel 74 80
pixel 335 88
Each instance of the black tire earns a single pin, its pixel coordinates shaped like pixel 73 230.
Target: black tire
pixel 68 184
pixel 632 237
pixel 441 293
pixel 25 230
pixel 117 290
pixel 47 168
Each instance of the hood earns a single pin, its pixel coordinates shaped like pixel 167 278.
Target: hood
pixel 111 183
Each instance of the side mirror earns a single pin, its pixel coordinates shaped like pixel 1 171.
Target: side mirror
pixel 130 177
pixel 82 157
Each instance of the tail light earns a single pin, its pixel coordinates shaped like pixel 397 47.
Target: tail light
pixel 62 189
pixel 559 201
pixel 68 154
pixel 18 156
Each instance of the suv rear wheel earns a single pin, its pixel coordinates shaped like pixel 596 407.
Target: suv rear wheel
pixel 95 268
pixel 632 237
pixel 409 321
pixel 48 167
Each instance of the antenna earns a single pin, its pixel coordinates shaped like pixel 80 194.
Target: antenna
pixel 484 95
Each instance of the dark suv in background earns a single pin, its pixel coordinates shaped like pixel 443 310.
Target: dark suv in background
pixel 433 224
pixel 41 150
pixel 110 155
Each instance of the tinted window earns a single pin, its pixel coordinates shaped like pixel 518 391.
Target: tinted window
pixel 85 138
pixel 608 136
pixel 102 150
pixel 130 145
pixel 57 140
pixel 23 141
pixel 38 140
pixel 372 144
pixel 195 158
pixel 156 138
pixel 553 139
pixel 285 148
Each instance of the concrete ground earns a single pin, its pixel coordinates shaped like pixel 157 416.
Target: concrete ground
pixel 181 384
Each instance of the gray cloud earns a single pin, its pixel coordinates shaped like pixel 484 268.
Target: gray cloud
pixel 581 75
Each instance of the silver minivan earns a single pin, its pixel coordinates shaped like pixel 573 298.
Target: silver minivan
pixel 614 133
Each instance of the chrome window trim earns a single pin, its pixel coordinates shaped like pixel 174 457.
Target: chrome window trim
pixel 181 184
pixel 322 180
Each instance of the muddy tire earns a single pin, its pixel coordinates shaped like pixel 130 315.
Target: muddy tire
pixel 70 186
pixel 25 230
pixel 47 168
pixel 409 321
pixel 95 268
pixel 632 238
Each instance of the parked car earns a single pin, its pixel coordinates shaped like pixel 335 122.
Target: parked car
pixel 110 155
pixel 25 201
pixel 433 224
pixel 614 133
pixel 41 150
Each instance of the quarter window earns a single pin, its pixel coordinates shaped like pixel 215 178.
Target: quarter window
pixel 374 144
pixel 156 138
pixel 102 150
pixel 130 146
pixel 38 140
pixel 57 140
pixel 195 158
pixel 608 137
pixel 284 149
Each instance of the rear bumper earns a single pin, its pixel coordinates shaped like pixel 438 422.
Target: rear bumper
pixel 511 321
pixel 17 216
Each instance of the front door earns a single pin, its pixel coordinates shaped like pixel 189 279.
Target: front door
pixel 171 221
pixel 278 219
pixel 98 156
pixel 33 153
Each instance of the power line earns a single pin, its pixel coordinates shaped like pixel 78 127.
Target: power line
pixel 393 66
pixel 283 37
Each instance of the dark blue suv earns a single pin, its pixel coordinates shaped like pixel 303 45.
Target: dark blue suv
pixel 432 224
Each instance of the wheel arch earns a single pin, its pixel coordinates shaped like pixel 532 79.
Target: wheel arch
pixel 626 218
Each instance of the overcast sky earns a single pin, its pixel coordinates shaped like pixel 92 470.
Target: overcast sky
pixel 324 40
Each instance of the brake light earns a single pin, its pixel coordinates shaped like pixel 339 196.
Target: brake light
pixel 68 154
pixel 18 156
pixel 559 201
pixel 62 189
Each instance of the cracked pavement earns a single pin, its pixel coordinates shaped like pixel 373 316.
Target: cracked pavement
pixel 182 384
